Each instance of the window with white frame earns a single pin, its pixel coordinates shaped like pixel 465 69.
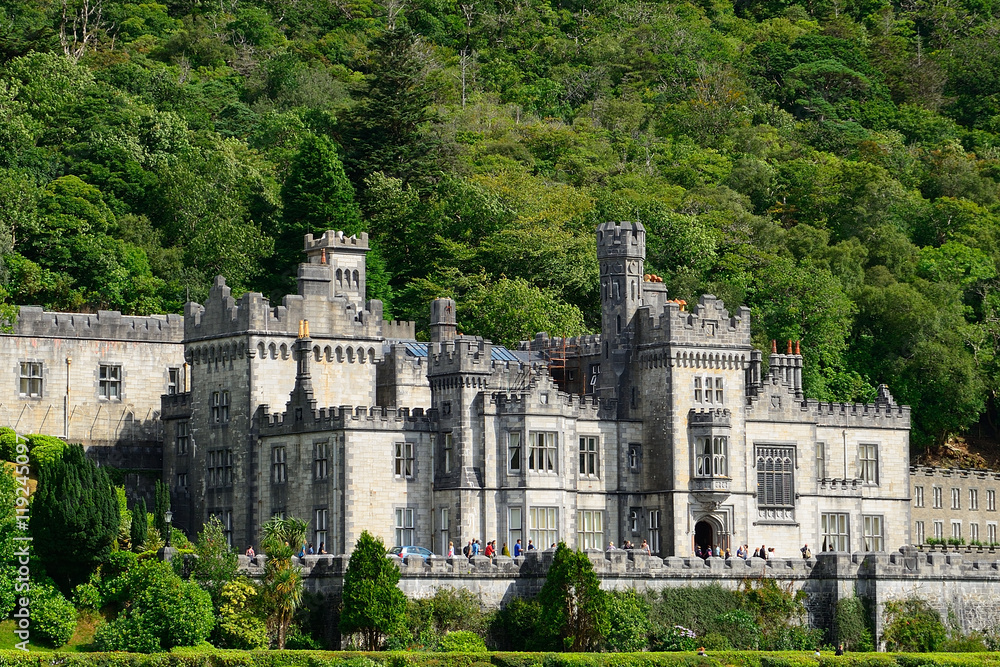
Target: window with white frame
pixel 404 526
pixel 711 456
pixel 278 465
pixel 321 460
pixel 109 381
pixel 973 532
pixel 404 460
pixel 225 517
pixel 991 501
pixel 834 529
pixel 447 452
pixel 956 530
pixel 937 497
pixel 543 526
pixel 939 530
pixel 30 381
pixel 443 529
pixel 542 452
pixel 514 451
pixel 956 499
pixel 868 460
pixel 654 531
pixel 872 533
pixel 515 527
pixel 775 485
pixel 918 496
pixel 821 460
pixel 320 516
pixel 182 481
pixel 708 389
pixel 991 533
pixel 219 468
pixel 918 530
pixel 588 457
pixel 589 529
pixel 181 437
pixel 973 499
pixel 173 381
pixel 220 407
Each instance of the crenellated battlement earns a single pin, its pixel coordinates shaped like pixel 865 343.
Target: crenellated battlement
pixel 515 403
pixel 710 417
pixel 34 321
pixel 346 417
pixel 708 324
pixel 963 473
pixel 333 239
pixel 399 330
pixel 465 354
pixel 621 239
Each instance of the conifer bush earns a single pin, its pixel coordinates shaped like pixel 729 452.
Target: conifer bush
pixel 373 605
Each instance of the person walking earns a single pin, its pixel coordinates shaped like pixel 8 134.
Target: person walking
pixel 517 548
pixel 451 549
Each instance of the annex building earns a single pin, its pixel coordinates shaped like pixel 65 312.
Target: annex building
pixel 668 426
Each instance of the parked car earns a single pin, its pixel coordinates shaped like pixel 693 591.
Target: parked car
pixel 403 552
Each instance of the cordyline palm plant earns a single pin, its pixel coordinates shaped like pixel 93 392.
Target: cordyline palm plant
pixel 282 580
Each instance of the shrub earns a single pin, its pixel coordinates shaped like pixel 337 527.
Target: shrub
pixel 674 638
pixel 912 626
pixel 850 625
pixel 513 627
pixel 299 639
pixel 240 622
pixel 462 641
pixel 373 605
pixel 740 629
pixel 628 622
pixel 53 617
pixel 87 596
pixel 574 608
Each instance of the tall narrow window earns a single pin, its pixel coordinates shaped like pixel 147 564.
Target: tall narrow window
pixel 973 532
pixel 443 527
pixel 973 499
pixel 543 526
pixel 588 457
pixel 404 459
pixel 936 493
pixel 872 533
pixel 869 463
pixel 514 451
pixel 590 529
pixel 216 407
pixel 918 496
pixel 278 465
pixel 991 533
pixel 991 501
pixel 718 391
pixel 939 530
pixel 697 390
pixel 820 460
pixel 109 384
pixel 956 499
pixel 182 438
pixel 542 452
pixel 515 527
pixel 31 379
pixel 633 519
pixel 227 526
pixel 404 526
pixel 321 462
pixel 956 530
pixel 918 529
pixel 447 452
pixel 834 530
pixel 224 407
pixel 320 521
pixel 173 380
pixel 634 457
pixel 654 531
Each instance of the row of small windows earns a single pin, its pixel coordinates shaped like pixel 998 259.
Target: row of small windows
pixel 708 390
pixel 920 534
pixel 31 377
pixel 937 495
pixel 348 277
pixel 320 468
pixel 835 532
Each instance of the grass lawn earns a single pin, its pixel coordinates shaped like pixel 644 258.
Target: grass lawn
pixel 81 640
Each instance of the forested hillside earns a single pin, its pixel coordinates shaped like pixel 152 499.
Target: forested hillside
pixel 833 164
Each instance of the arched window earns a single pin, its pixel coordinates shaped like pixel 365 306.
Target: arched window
pixel 340 277
pixel 357 281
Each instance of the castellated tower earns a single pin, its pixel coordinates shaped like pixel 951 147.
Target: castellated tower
pixel 621 251
pixel 458 368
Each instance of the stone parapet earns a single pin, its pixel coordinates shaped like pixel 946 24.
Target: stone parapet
pixel 36 322
pixel 347 417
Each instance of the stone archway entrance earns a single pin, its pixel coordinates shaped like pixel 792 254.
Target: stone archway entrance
pixel 704 536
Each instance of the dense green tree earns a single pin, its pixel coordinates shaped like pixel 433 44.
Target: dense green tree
pixel 74 510
pixel 373 605
pixel 161 505
pixel 139 526
pixel 574 608
pixel 216 563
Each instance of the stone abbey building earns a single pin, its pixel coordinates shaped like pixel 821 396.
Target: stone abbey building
pixel 666 427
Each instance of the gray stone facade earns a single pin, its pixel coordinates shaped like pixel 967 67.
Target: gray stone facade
pixel 663 428
pixel 954 505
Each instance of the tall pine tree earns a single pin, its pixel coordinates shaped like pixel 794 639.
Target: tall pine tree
pixel 162 504
pixel 74 518
pixel 140 525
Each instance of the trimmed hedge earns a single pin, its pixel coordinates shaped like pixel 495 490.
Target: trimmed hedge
pixel 225 658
